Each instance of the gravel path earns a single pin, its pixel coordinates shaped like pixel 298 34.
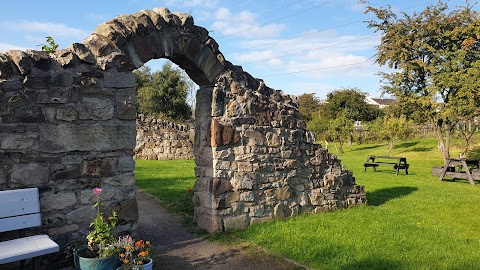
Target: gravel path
pixel 175 248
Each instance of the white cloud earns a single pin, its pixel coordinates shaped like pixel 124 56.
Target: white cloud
pixel 193 3
pixel 6 47
pixel 56 30
pixel 243 24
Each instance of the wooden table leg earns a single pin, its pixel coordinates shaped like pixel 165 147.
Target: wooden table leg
pixel 442 174
pixel 469 176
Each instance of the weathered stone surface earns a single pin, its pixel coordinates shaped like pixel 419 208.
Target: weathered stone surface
pixel 81 215
pixel 126 164
pixel 63 230
pixel 96 137
pixel 82 52
pixel 98 168
pixel 29 174
pixel 21 61
pixel 17 141
pixel 3 177
pixel 66 114
pixel 219 186
pixel 126 104
pixel 282 193
pixel 5 66
pixel 235 223
pixel 58 201
pixel 128 210
pixel 97 108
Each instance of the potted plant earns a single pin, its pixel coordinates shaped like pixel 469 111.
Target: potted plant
pixel 100 253
pixel 134 255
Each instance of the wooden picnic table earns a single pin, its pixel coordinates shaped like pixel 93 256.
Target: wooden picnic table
pixel 464 172
pixel 397 162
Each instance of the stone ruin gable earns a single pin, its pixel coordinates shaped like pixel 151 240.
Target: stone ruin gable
pixel 163 140
pixel 67 124
pixel 265 162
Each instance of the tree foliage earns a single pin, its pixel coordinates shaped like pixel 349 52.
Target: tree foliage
pixel 308 104
pixel 436 57
pixel 350 101
pixel 340 129
pixel 163 93
pixel 393 129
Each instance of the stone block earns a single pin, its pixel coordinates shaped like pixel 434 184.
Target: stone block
pixel 281 211
pixel 31 174
pixel 84 137
pixel 81 215
pixel 5 66
pixel 204 101
pixel 63 230
pixel 12 141
pixel 235 223
pixel 247 196
pixel 127 210
pixel 115 79
pixel 207 220
pixel 96 108
pixel 21 61
pixel 282 193
pixel 125 100
pixel 219 186
pixel 58 201
pixel 124 180
pixel 98 168
pixel 66 114
pixel 3 177
pixel 125 164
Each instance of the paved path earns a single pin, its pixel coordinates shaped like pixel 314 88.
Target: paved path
pixel 175 248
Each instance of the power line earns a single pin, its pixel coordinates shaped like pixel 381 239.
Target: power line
pixel 257 15
pixel 310 50
pixel 315 69
pixel 281 18
pixel 318 31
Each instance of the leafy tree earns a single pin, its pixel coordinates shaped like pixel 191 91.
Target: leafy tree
pixel 340 128
pixel 308 104
pixel 352 102
pixel 163 93
pixel 393 129
pixel 436 55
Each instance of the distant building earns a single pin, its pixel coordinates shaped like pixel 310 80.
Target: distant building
pixel 380 102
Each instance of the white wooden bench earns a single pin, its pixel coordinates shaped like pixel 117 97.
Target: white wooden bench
pixel 20 209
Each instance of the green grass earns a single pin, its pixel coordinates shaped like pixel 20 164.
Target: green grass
pixel 171 181
pixel 411 221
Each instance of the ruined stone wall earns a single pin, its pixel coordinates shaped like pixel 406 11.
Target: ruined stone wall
pixel 67 124
pixel 163 140
pixel 66 127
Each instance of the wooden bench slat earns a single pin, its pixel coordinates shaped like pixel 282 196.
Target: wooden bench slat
pixel 27 247
pixel 19 202
pixel 20 222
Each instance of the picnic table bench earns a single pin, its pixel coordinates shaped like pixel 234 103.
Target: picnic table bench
pixel 464 172
pixel 397 163
pixel 20 209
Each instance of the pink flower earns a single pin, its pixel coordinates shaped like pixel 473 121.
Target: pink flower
pixel 97 191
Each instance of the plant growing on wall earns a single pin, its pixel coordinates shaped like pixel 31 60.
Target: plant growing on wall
pixel 51 47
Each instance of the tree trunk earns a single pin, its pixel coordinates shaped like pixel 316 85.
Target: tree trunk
pixel 390 147
pixel 443 140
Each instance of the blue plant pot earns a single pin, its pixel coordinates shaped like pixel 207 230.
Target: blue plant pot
pixel 82 263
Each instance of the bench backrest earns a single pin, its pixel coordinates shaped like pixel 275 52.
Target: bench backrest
pixel 19 209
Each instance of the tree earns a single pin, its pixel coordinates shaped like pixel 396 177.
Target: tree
pixel 437 60
pixel 308 104
pixel 340 128
pixel 393 129
pixel 163 93
pixel 352 102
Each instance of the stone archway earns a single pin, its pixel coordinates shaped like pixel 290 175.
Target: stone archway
pixel 68 125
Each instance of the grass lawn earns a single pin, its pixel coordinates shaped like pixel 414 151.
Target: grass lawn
pixel 411 221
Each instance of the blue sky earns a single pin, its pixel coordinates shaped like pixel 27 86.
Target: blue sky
pixel 298 46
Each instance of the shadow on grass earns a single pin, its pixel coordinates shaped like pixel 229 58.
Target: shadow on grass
pixel 406 145
pixel 381 196
pixel 373 263
pixel 367 147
